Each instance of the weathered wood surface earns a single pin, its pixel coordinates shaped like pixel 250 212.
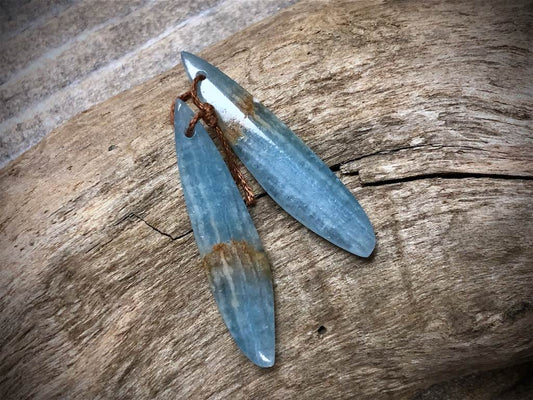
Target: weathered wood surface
pixel 512 383
pixel 424 111
pixel 95 51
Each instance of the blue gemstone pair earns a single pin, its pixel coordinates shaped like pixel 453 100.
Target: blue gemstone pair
pixel 237 267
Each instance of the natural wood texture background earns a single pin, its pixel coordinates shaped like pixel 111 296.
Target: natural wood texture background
pixel 60 57
pixel 424 110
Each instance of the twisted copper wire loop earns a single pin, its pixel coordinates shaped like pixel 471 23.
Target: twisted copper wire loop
pixel 206 112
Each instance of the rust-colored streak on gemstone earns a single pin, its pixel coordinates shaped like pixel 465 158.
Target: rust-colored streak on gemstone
pixel 232 131
pixel 236 253
pixel 246 104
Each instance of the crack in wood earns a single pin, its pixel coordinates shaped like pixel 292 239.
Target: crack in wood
pixel 168 235
pixel 447 175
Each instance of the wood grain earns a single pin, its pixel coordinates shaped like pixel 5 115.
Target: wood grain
pixel 424 111
pixel 60 57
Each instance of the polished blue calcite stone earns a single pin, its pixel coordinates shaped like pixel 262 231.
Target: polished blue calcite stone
pixel 232 253
pixel 295 177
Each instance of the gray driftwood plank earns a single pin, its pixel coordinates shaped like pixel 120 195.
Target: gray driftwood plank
pixel 425 113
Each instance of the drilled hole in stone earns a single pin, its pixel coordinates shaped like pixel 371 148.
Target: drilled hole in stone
pixel 321 330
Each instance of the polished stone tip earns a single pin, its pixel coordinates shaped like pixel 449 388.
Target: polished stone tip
pixel 368 244
pixel 241 282
pixel 182 116
pixel 188 60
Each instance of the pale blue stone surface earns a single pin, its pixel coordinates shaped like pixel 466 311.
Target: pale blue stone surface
pixel 216 209
pixel 241 284
pixel 284 166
